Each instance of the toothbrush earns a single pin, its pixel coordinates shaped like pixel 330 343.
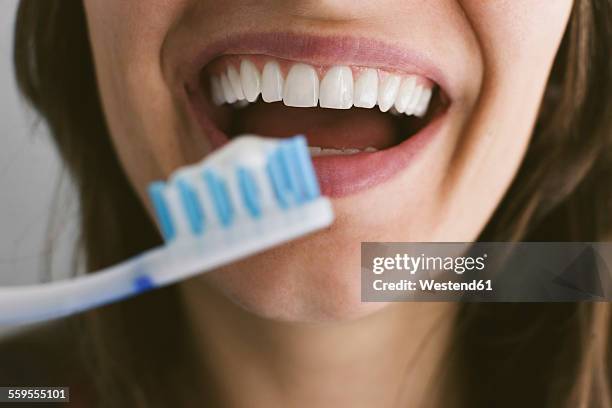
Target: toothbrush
pixel 250 195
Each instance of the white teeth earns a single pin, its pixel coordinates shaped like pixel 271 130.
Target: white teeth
pixel 250 79
pixel 423 103
pixel 234 79
pixel 230 97
pixel 330 152
pixel 336 89
pixel 314 150
pixel 351 151
pixel 366 89
pixel 216 91
pixel 272 83
pixel 387 92
pixel 301 87
pixel 327 151
pixel 414 100
pixel 405 93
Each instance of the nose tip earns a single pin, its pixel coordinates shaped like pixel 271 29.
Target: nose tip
pixel 330 10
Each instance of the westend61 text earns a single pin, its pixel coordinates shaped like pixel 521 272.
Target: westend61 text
pixel 476 285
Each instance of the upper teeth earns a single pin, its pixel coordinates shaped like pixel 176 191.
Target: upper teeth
pixel 338 89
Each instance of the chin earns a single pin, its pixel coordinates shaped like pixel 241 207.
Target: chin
pixel 314 279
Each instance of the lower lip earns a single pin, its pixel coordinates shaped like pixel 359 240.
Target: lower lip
pixel 342 175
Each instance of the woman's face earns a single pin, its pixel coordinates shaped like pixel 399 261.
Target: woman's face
pixel 435 178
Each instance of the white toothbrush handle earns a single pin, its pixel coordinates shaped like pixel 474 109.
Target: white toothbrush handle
pixel 32 303
pixel 158 267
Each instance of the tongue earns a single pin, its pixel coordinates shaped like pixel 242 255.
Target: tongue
pixel 331 128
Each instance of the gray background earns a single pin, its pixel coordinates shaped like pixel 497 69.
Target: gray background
pixel 31 176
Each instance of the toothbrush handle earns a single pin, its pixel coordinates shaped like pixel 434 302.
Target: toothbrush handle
pixel 158 267
pixel 33 303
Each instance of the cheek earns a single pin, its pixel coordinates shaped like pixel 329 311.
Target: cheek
pixel 517 53
pixel 513 35
pixel 140 111
pixel 517 48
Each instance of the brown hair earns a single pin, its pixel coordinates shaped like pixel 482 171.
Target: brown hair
pixel 548 354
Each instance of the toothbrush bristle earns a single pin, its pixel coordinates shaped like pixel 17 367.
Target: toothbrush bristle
pixel 191 206
pixel 307 172
pixel 156 192
pixel 217 188
pixel 278 179
pixel 220 194
pixel 250 192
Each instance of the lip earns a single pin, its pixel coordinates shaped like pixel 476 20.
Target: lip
pixel 339 175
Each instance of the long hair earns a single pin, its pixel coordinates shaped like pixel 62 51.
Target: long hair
pixel 138 351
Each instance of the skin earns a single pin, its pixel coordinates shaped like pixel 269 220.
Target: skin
pixel 289 323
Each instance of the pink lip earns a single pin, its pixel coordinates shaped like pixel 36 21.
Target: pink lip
pixel 338 175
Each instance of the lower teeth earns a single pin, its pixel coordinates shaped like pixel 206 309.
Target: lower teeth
pixel 322 151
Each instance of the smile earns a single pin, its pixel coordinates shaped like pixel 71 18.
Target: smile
pixel 364 118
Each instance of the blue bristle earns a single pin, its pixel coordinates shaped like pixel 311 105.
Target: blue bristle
pixel 220 197
pixel 304 162
pixel 249 191
pixel 277 179
pixel 161 209
pixel 143 283
pixel 285 180
pixel 290 170
pixel 293 151
pixel 192 206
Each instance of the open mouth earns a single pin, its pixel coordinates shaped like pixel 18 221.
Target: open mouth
pixel 361 123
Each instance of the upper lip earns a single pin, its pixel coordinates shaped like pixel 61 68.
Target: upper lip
pixel 312 49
